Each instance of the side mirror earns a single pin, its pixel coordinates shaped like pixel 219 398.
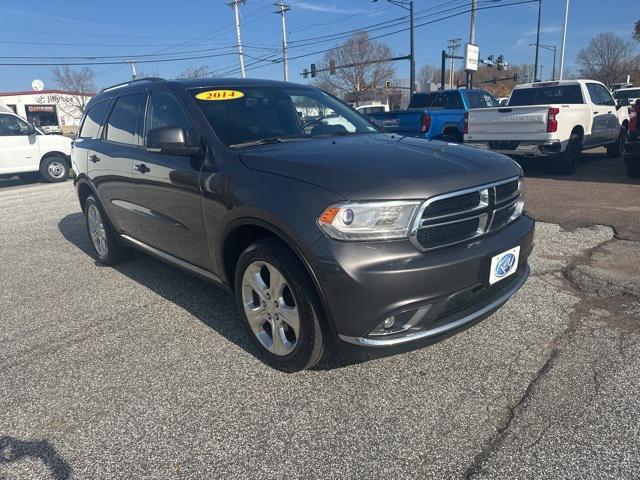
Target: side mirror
pixel 171 141
pixel 31 130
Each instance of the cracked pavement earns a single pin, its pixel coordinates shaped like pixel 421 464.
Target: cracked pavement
pixel 141 371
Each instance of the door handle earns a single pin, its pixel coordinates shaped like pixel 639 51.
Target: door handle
pixel 142 168
pixel 595 113
pixel 94 158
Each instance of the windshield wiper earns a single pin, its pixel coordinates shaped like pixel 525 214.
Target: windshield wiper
pixel 262 141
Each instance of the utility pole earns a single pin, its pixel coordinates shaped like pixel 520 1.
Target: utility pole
pixel 535 67
pixel 134 74
pixel 282 10
pixel 234 4
pixel 453 46
pixel 472 38
pixel 408 5
pixel 564 37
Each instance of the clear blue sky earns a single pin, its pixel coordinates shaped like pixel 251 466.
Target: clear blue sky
pixel 200 27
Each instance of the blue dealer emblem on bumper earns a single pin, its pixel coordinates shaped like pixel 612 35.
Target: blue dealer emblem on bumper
pixel 505 265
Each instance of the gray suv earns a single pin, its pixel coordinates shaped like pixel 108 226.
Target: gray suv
pixel 332 235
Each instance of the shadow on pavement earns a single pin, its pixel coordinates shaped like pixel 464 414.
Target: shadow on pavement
pixel 14 450
pixel 594 166
pixel 211 305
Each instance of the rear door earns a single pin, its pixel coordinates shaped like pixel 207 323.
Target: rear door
pixel 110 162
pixel 19 151
pixel 168 188
pixel 601 131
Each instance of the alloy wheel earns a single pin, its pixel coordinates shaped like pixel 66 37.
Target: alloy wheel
pixel 56 169
pixel 270 308
pixel 97 231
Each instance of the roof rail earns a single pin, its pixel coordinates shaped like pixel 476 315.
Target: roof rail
pixel 124 84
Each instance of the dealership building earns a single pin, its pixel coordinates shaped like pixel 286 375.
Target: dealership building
pixel 53 111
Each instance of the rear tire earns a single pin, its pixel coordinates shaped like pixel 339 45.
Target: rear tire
pixel 568 160
pixel 54 169
pixel 615 149
pixel 279 307
pixel 102 236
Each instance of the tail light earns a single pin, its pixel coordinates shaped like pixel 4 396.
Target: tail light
pixel 465 128
pixel 633 119
pixel 426 123
pixel 552 122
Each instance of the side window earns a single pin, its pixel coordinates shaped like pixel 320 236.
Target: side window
pixel 11 126
pixel 166 111
pixel 93 120
pixel 599 94
pixel 125 120
pixel 452 101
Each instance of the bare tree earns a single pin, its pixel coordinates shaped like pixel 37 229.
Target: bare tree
pixel 636 32
pixel 353 81
pixel 608 58
pixel 426 76
pixel 196 72
pixel 79 85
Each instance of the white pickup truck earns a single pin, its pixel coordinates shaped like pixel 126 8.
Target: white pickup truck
pixel 551 119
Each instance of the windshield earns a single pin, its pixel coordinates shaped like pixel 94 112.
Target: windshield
pixel 565 94
pixel 240 115
pixel 627 94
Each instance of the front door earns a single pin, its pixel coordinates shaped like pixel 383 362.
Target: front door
pixel 19 151
pixel 111 158
pixel 601 130
pixel 168 187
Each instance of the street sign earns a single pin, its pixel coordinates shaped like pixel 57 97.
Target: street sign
pixel 471 56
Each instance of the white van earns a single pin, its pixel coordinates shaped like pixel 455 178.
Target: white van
pixel 24 150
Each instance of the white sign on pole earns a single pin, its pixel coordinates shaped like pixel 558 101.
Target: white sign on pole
pixel 471 56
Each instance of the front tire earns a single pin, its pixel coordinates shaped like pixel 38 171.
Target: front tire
pixel 279 306
pixel 103 239
pixel 568 160
pixel 615 149
pixel 54 169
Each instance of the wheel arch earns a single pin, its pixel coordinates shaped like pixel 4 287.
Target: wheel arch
pixel 56 153
pixel 240 233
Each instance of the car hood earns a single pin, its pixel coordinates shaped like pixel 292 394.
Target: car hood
pixel 55 142
pixel 380 166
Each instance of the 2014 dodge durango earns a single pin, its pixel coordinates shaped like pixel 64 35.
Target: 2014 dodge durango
pixel 331 235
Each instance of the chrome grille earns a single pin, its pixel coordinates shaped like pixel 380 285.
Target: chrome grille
pixel 462 216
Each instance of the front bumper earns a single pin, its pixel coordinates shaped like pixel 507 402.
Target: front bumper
pixel 441 290
pixel 521 148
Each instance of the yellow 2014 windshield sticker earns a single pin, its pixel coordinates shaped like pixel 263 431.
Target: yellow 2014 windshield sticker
pixel 219 95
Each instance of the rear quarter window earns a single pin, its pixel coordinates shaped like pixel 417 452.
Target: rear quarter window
pixel 565 94
pixel 93 120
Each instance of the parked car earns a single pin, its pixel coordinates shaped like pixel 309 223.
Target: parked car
pixel 357 240
pixel 555 120
pixel 439 114
pixel 25 150
pixel 369 108
pixel 502 101
pixel 632 148
pixel 627 96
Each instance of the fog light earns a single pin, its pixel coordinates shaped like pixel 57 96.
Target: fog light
pixel 388 322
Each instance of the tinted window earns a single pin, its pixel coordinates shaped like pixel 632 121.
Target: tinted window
pixel 566 94
pixel 450 100
pixel 11 126
pixel 421 100
pixel 124 121
pixel 166 111
pixel 93 119
pixel 257 113
pixel 481 100
pixel 627 94
pixel 599 94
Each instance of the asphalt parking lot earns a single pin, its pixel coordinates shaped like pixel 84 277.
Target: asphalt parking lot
pixel 142 371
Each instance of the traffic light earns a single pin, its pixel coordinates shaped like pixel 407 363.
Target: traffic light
pixel 388 85
pixel 313 70
pixel 332 67
pixel 305 73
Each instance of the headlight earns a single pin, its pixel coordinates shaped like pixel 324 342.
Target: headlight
pixel 368 220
